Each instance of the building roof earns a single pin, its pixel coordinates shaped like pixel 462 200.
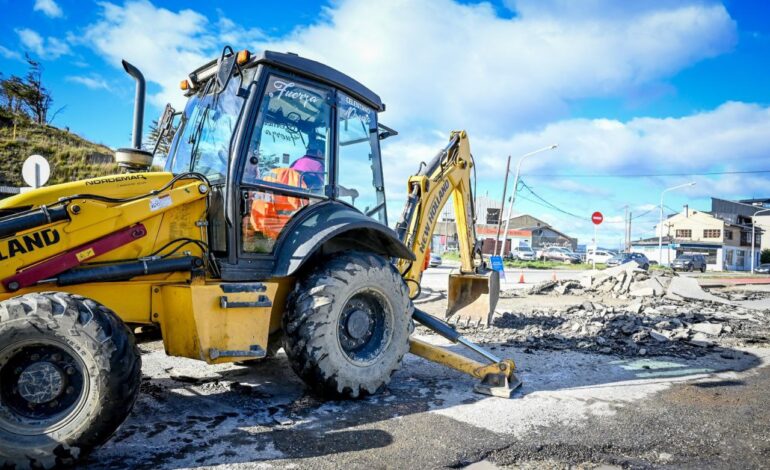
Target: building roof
pixel 561 234
pixel 755 202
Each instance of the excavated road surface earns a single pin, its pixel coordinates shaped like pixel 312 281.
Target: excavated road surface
pixel 574 408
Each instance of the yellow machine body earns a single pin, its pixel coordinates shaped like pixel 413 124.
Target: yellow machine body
pixel 199 318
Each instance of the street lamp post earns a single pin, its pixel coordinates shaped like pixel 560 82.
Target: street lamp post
pixel 753 225
pixel 513 193
pixel 660 224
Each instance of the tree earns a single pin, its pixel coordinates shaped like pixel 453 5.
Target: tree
pixel 28 95
pixel 38 98
pixel 152 138
pixel 764 256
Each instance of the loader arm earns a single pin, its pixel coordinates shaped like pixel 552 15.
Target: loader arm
pixel 473 291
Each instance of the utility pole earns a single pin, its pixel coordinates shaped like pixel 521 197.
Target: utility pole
pixel 660 223
pixel 502 205
pixel 630 216
pixel 625 227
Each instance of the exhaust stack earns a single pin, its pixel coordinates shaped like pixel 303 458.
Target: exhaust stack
pixel 138 104
pixel 135 159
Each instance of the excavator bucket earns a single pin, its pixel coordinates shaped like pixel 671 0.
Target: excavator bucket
pixel 472 298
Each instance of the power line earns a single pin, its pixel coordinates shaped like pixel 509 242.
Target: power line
pixel 544 203
pixel 644 175
pixel 549 204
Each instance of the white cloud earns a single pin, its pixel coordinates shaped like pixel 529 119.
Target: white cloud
pixel 577 187
pixel 49 8
pixel 440 65
pixel 94 82
pixel 48 48
pixel 9 54
pixel 444 64
pixel 730 136
pixel 165 45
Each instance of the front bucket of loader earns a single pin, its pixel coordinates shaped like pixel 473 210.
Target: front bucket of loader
pixel 472 298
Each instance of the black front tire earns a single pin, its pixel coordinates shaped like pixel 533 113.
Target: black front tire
pixel 69 375
pixel 352 289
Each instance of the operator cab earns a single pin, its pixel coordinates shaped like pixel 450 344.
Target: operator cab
pixel 275 134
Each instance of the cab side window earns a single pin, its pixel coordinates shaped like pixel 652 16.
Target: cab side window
pixel 360 174
pixel 290 144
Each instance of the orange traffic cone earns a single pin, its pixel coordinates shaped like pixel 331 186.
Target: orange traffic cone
pixel 521 278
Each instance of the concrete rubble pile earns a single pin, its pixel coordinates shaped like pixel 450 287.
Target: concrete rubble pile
pixel 629 312
pixel 652 326
pixel 624 281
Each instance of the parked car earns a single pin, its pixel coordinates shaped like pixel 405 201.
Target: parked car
pixel 601 256
pixel 623 258
pixel 556 253
pixel 435 260
pixel 522 253
pixel 689 263
pixel 763 269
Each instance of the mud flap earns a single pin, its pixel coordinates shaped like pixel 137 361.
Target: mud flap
pixel 472 298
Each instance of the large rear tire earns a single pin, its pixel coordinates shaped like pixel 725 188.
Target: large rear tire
pixel 348 324
pixel 69 375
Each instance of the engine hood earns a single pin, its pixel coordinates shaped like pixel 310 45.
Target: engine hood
pixel 115 186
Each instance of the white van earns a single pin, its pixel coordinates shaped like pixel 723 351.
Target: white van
pixel 601 256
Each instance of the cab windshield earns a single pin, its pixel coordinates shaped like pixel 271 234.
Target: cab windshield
pixel 202 142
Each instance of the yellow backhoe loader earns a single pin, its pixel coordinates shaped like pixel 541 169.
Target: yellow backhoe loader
pixel 267 227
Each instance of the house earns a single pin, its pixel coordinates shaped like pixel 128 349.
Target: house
pixel 763 220
pixel 537 236
pixel 523 230
pixel 722 236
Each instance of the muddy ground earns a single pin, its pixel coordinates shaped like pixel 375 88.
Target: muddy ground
pixel 689 406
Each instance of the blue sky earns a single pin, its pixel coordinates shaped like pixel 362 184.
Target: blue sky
pixel 650 88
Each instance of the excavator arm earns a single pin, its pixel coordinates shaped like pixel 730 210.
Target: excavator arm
pixel 473 290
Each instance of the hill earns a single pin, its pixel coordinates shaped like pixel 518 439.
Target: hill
pixel 71 156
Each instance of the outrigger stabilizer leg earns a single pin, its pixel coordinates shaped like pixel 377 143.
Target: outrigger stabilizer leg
pixel 497 378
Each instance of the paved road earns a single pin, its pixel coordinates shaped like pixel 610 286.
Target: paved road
pixel 574 408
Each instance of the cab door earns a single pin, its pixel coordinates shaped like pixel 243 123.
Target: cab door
pixel 288 164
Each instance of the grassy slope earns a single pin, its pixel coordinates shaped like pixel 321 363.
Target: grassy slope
pixel 66 152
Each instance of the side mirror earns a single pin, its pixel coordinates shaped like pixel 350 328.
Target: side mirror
pixel 385 131
pixel 225 69
pixel 165 127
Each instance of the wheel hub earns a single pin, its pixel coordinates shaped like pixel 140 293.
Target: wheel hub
pixel 358 324
pixel 364 327
pixel 40 383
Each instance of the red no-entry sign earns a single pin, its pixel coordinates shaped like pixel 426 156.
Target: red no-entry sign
pixel 597 218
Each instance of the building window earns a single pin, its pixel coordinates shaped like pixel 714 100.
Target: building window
pixel 712 233
pixel 683 233
pixel 728 234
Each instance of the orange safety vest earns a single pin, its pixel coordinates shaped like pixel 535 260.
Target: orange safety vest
pixel 271 212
